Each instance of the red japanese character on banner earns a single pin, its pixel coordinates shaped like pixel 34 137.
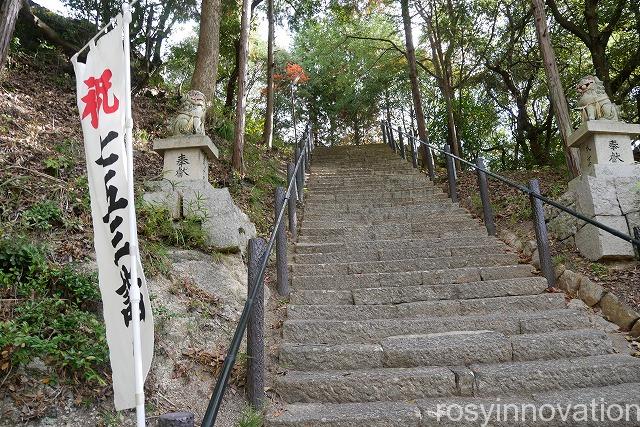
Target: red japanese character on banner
pixel 98 96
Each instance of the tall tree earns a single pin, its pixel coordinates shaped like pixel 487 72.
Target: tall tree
pixel 268 120
pixel 206 69
pixel 558 99
pixel 415 84
pixel 8 15
pixel 237 159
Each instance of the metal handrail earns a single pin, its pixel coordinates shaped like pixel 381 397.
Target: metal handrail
pixel 221 385
pixel 528 191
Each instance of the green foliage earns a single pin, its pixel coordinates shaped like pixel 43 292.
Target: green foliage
pixel 599 270
pixel 49 320
pixel 250 418
pixel 42 216
pixel 157 225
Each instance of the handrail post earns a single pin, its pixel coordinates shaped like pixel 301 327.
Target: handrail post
pixel 414 151
pixel 293 218
pixel 255 326
pixel 541 234
pixel 487 210
pixel 451 175
pixel 299 177
pixel 400 139
pixel 392 138
pixel 636 235
pixel 281 247
pixel 384 134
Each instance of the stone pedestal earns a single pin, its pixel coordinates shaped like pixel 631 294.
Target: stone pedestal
pixel 186 157
pixel 186 192
pixel 608 189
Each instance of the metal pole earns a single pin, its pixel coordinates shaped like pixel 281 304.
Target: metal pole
pixel 451 175
pixel 484 196
pixel 636 235
pixel 400 140
pixel 541 235
pixel 255 326
pixel 176 419
pixel 293 219
pixel 281 247
pixel 299 184
pixel 134 290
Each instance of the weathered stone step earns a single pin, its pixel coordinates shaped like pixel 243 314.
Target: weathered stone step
pixel 347 220
pixel 393 266
pixel 366 386
pixel 418 186
pixel 412 278
pixel 444 232
pixel 409 294
pixel 387 208
pixel 567 406
pixel 372 331
pixel 577 407
pixel 444 308
pixel 404 294
pixel 504 379
pixel 388 228
pixel 446 349
pixel 373 414
pixel 408 244
pixel 511 379
pixel 371 254
pixel 475 347
pixel 382 201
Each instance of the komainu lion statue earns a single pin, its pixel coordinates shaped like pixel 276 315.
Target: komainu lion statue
pixel 190 118
pixel 594 104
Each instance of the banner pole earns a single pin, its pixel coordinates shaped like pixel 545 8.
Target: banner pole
pixel 134 290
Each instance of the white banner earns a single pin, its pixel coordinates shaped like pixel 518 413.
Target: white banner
pixel 100 84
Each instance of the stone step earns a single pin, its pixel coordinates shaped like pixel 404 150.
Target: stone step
pixel 423 243
pixel 445 349
pixel 444 232
pixel 393 266
pixel 351 202
pixel 503 379
pixel 409 294
pixel 412 278
pixel 404 294
pixel 372 414
pixel 313 331
pixel 347 220
pixel 444 308
pixel 414 209
pixel 372 254
pixel 387 228
pixel 393 384
pixel 418 186
pixel 567 410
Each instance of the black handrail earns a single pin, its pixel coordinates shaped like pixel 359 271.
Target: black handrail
pixel 221 385
pixel 528 191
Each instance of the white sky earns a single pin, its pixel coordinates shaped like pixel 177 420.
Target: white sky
pixel 182 31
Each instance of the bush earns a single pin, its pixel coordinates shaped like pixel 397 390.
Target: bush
pixel 42 216
pixel 50 319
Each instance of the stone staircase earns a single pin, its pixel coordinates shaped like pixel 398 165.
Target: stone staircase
pixel 401 302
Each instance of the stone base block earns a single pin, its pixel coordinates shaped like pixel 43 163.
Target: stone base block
pixel 186 157
pixel 596 196
pixel 172 200
pixel 596 244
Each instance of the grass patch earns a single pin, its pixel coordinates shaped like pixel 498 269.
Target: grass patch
pixel 250 418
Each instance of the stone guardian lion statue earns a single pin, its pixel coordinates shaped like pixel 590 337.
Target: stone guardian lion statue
pixel 594 103
pixel 191 115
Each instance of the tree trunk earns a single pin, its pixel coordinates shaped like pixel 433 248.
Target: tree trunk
pixel 233 79
pixel 558 100
pixel 206 68
pixel 268 120
pixel 8 15
pixel 49 33
pixel 237 160
pixel 415 86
